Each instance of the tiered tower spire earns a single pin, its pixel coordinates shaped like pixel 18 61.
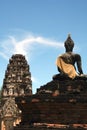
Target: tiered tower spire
pixel 17 79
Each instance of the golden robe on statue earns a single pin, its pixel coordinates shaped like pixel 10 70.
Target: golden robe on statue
pixel 66 68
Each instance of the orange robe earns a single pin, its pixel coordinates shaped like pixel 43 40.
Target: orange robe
pixel 66 68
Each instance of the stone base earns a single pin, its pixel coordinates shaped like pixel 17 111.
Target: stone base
pixel 57 102
pixel 42 128
pixel 50 127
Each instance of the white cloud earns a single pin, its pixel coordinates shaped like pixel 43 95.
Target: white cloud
pixel 3 55
pixel 11 45
pixel 34 79
pixel 19 45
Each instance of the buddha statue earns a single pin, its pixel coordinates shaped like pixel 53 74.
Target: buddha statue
pixel 66 62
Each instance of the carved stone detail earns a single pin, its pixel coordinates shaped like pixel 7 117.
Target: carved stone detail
pixel 17 79
pixel 17 82
pixel 9 109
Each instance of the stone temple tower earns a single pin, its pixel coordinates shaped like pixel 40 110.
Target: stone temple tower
pixel 17 82
pixel 17 79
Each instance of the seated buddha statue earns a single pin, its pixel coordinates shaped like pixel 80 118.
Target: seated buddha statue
pixel 66 62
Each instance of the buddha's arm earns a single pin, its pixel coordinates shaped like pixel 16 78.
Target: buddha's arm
pixel 79 64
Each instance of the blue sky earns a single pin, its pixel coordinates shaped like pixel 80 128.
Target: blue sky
pixel 38 29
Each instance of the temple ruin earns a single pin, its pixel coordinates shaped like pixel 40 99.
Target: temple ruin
pixel 60 104
pixel 17 82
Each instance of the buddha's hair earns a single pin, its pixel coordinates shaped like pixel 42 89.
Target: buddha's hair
pixel 69 44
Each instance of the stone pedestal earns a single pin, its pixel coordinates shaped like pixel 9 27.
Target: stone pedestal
pixel 56 105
